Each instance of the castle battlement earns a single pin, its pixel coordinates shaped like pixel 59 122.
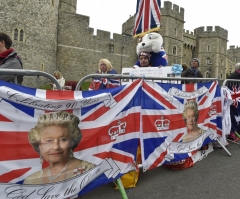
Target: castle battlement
pixel 232 47
pixel 189 34
pixel 128 26
pixel 173 10
pixel 211 31
pixel 103 34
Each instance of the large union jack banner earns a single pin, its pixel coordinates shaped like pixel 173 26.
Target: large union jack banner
pixel 112 122
pixel 109 122
pixel 147 17
pixel 164 127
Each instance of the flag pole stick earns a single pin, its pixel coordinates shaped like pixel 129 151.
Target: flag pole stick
pixel 121 188
pixel 224 147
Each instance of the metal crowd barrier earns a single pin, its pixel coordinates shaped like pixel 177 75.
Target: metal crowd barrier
pixel 231 82
pixel 119 76
pixel 23 72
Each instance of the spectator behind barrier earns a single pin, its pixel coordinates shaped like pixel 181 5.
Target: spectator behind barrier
pixel 60 80
pixel 9 59
pixel 236 73
pixel 104 67
pixel 185 67
pixel 144 59
pixel 192 71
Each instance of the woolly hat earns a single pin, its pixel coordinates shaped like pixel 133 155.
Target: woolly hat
pixel 146 54
pixel 197 60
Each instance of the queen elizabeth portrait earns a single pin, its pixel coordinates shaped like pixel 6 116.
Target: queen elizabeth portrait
pixel 190 116
pixel 54 138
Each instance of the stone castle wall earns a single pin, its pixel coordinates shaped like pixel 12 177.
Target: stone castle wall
pixel 55 37
pixel 79 50
pixel 172 20
pixel 212 44
pixel 38 22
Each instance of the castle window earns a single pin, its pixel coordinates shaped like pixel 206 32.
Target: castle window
pixel 208 61
pixel 221 76
pixel 208 48
pixel 16 34
pixel 111 48
pixel 174 50
pixel 221 62
pixel 52 2
pixel 21 35
pixel 42 67
pixel 222 49
pixel 207 74
pixel 175 31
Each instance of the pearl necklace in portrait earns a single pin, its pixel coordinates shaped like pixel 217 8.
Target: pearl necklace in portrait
pixel 52 178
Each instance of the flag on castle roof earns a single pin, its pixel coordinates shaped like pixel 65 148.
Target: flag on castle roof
pixel 147 18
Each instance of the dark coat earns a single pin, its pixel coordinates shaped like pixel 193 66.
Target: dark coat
pixel 188 73
pixel 235 75
pixel 12 61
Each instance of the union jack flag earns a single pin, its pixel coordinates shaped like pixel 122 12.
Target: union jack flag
pixel 147 17
pixel 163 125
pixel 110 130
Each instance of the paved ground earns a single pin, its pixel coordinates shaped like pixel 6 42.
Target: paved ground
pixel 216 176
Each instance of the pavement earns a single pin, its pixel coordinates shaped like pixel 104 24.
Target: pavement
pixel 216 176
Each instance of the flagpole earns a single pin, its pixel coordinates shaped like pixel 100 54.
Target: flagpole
pixel 121 188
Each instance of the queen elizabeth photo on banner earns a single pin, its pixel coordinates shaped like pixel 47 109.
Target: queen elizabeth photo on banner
pixel 54 138
pixel 190 117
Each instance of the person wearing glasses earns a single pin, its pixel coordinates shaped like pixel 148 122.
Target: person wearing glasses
pixel 54 138
pixel 190 116
pixel 104 67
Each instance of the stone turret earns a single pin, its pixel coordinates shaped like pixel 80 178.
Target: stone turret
pixel 212 50
pixel 172 20
pixel 68 6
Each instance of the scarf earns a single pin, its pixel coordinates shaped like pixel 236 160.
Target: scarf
pixel 4 54
pixel 194 70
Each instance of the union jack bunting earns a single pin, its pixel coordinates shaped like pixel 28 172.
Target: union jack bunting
pixel 147 18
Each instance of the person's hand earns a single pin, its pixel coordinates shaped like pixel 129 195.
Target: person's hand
pixel 160 66
pixel 104 81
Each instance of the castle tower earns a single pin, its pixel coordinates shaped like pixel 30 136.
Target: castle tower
pixel 68 6
pixel 172 20
pixel 212 51
pixel 32 26
pixel 234 57
pixel 189 46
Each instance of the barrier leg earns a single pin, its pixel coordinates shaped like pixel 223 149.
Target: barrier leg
pixel 233 142
pixel 224 147
pixel 121 188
